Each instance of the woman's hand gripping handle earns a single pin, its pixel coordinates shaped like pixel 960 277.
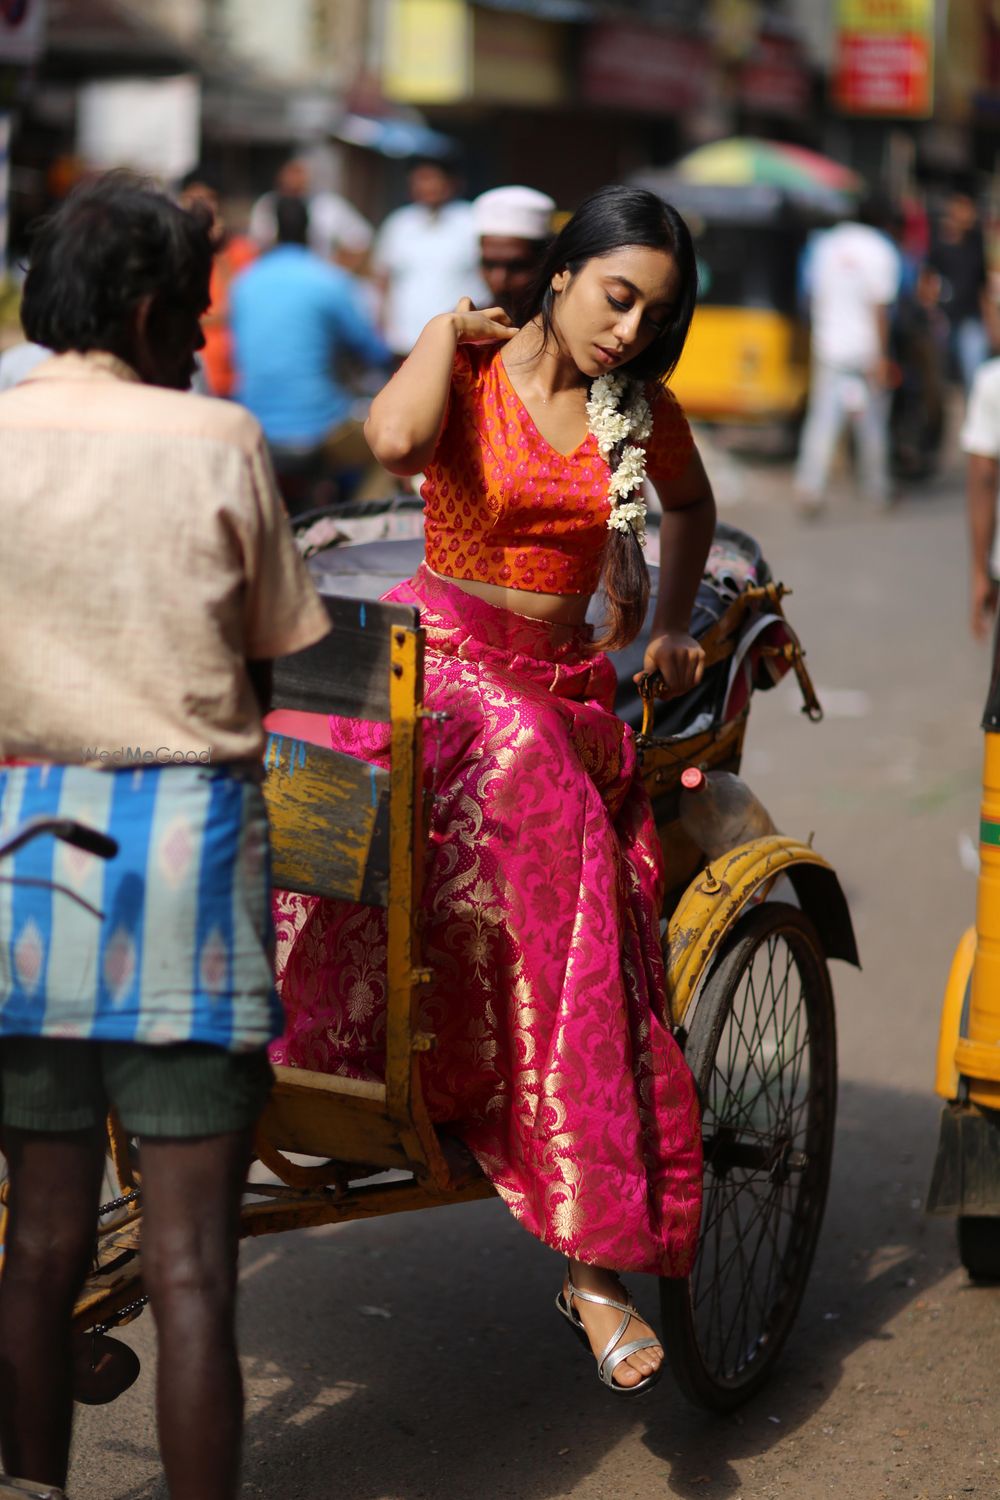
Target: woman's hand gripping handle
pixel 673 664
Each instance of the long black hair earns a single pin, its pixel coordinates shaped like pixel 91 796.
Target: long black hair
pixel 609 220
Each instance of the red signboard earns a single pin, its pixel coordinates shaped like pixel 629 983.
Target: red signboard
pixel 887 75
pixel 885 58
pixel 650 68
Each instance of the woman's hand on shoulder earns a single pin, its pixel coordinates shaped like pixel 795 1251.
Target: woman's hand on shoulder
pixel 485 326
pixel 678 659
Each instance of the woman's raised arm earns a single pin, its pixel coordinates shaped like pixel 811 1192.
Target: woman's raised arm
pixel 406 416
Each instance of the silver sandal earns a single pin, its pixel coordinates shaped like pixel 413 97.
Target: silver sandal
pixel 612 1355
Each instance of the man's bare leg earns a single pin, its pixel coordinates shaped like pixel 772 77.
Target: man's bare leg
pixel 191 1198
pixel 55 1183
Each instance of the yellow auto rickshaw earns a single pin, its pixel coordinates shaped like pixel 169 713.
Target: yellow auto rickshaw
pixel 751 207
pixel 966 1177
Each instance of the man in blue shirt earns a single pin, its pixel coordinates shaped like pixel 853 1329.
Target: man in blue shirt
pixel 294 317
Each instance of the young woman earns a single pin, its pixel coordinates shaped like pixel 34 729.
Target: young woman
pixel 543 894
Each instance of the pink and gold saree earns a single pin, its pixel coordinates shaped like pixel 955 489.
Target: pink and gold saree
pixel 541 925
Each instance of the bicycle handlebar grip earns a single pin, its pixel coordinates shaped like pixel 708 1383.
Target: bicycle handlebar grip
pixel 67 829
pixel 648 684
pixel 86 838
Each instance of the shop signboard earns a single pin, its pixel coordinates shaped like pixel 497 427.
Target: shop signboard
pixel 735 26
pixel 147 124
pixel 518 59
pixel 427 51
pixel 652 69
pixel 885 58
pixel 774 79
pixel 22 30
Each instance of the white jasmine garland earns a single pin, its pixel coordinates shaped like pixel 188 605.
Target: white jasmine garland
pixel 617 410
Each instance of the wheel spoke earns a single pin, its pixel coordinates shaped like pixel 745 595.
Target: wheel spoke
pixel 756 1045
pixel 761 1223
pixel 753 1225
pixel 738 1190
pixel 747 1107
pixel 753 1051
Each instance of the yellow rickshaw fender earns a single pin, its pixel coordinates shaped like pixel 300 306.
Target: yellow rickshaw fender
pixel 946 1078
pixel 717 896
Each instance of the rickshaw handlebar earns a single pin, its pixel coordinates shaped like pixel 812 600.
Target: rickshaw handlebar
pixel 720 640
pixel 66 829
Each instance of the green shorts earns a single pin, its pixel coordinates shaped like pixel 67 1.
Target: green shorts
pixel 186 1089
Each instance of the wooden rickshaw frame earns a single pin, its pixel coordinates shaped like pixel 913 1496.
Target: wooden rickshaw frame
pixel 343 829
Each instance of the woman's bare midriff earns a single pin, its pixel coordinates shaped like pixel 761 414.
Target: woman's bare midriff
pixel 559 609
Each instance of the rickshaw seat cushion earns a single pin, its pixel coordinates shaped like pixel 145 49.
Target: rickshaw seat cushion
pixel 294 724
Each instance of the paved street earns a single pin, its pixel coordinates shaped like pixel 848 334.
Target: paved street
pixel 421 1357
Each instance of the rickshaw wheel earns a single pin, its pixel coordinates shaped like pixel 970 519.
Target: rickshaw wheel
pixel 762 1047
pixel 979 1246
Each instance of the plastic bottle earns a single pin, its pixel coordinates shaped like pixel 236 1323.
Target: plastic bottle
pixel 719 811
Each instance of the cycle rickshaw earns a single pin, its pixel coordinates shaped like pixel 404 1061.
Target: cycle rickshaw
pixel 748 989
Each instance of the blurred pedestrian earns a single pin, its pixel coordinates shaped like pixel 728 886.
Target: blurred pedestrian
pixel 919 345
pixel 852 281
pixel 337 231
pixel 981 441
pixel 233 253
pixel 426 255
pixel 514 225
pixel 959 257
pixel 294 317
pixel 131 698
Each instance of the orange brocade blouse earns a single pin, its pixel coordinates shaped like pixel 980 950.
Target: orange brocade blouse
pixel 502 506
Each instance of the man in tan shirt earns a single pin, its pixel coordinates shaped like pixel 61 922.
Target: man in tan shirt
pixel 145 557
pixel 147 579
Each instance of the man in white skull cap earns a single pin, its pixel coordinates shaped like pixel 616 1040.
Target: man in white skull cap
pixel 514 225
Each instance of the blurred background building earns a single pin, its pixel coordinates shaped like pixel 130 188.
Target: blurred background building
pixel 561 94
pixel 564 93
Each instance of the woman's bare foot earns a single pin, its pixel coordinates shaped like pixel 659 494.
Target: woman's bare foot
pixel 600 1323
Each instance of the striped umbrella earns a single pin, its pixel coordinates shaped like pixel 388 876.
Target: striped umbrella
pixel 744 160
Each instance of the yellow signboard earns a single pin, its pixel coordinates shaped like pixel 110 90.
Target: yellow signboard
pixel 428 51
pixel 735 24
pixel 518 59
pixel 885 17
